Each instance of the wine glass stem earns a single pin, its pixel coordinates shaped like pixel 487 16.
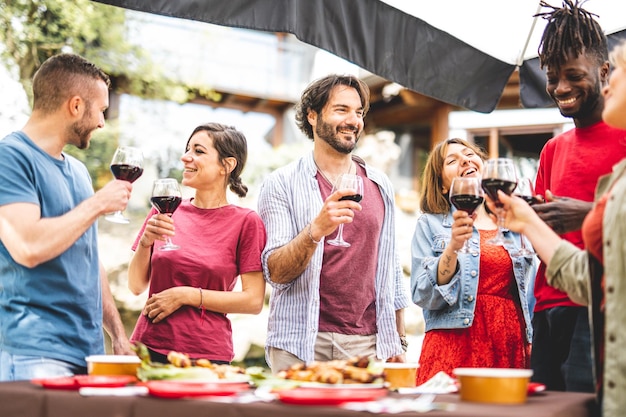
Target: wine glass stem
pixel 340 233
pixel 499 215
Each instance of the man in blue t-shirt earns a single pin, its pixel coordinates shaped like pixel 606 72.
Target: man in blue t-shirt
pixel 54 293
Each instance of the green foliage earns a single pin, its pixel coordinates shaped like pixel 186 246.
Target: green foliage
pixel 34 30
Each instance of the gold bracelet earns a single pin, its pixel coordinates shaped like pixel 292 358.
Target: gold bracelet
pixel 308 232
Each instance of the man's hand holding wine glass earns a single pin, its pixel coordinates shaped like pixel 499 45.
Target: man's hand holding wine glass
pixel 114 196
pixel 337 210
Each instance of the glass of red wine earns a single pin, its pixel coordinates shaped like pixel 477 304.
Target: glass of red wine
pixel 466 194
pixel 166 197
pixel 351 182
pixel 526 191
pixel 126 165
pixel 499 175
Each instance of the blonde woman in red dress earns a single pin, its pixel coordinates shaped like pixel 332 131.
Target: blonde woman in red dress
pixel 474 304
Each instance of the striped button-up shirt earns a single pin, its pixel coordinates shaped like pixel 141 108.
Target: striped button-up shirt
pixel 289 199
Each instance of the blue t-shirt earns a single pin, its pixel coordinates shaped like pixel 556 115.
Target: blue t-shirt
pixel 55 309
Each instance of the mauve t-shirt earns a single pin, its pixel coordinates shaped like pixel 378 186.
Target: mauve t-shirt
pixel 347 287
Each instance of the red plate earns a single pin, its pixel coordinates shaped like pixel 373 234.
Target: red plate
pixel 63 382
pixel 104 381
pixel 325 396
pixel 535 387
pixel 174 389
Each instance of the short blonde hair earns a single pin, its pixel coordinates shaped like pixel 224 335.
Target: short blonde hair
pixel 432 198
pixel 617 57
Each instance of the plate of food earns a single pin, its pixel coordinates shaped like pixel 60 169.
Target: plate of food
pixel 350 373
pixel 324 396
pixel 181 389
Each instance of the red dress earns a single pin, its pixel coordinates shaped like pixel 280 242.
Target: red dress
pixel 496 338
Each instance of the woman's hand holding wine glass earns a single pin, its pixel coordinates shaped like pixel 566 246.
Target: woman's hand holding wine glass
pixel 126 165
pixel 166 197
pixel 466 194
pixel 350 182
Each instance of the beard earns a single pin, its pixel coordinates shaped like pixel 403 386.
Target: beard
pixel 328 134
pixel 80 132
pixel 588 106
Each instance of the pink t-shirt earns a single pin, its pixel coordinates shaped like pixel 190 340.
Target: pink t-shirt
pixel 347 287
pixel 570 166
pixel 216 246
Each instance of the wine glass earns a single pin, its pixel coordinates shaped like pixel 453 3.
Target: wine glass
pixel 166 197
pixel 351 182
pixel 466 194
pixel 126 165
pixel 526 191
pixel 499 175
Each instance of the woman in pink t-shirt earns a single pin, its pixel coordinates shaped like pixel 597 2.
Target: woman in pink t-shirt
pixel 191 289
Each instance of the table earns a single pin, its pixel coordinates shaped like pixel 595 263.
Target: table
pixel 23 399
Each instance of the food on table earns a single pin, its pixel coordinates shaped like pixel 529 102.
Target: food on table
pixel 181 367
pixel 357 370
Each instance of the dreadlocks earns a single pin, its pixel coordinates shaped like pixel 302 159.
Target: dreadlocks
pixel 570 29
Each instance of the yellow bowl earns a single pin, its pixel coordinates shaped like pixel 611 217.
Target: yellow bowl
pixel 112 364
pixel 400 375
pixel 494 385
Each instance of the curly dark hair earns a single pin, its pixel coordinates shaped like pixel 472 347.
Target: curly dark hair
pixel 229 143
pixel 570 29
pixel 316 95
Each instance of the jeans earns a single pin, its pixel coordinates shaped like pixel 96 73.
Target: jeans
pixel 22 367
pixel 561 350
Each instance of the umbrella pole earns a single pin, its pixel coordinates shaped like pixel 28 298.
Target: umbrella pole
pixel 520 58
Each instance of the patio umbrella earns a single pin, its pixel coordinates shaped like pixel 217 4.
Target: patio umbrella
pixel 458 51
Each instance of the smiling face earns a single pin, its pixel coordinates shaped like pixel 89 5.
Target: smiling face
pixel 576 87
pixel 202 166
pixel 459 161
pixel 340 122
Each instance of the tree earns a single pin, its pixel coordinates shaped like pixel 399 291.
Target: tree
pixel 31 31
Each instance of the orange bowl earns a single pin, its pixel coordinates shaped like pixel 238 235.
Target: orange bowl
pixel 494 385
pixel 112 364
pixel 400 375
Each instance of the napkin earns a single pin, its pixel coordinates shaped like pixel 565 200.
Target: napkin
pixel 441 383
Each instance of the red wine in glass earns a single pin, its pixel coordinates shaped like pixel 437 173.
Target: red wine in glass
pixel 493 185
pixel 466 194
pixel 355 197
pixel 352 182
pixel 126 172
pixel 467 202
pixel 126 165
pixel 166 197
pixel 166 204
pixel 529 199
pixel 499 174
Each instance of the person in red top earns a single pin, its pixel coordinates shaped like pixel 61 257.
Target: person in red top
pixel 191 290
pixel 574 52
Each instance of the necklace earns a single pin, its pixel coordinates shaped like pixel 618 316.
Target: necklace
pixel 326 177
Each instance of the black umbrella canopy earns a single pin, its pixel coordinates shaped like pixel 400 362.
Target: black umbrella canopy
pixel 445 49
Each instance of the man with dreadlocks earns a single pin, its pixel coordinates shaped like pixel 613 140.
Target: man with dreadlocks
pixel 573 50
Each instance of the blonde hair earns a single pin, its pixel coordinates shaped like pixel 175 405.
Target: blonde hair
pixel 432 198
pixel 617 57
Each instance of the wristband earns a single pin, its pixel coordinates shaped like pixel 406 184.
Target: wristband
pixel 308 232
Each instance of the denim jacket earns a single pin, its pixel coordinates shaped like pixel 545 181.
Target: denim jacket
pixel 451 306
